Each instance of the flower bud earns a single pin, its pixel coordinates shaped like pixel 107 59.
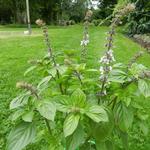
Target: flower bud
pixel 89 14
pixel 40 22
pixel 27 86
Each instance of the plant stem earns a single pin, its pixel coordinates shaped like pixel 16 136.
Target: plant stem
pixel 114 102
pixel 78 76
pixel 48 126
pixel 128 83
pixel 46 121
pixel 111 101
pixel 60 85
pixel 109 45
pixel 115 98
pixel 102 89
pixel 45 32
pixel 84 47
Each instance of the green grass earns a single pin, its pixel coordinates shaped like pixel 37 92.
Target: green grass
pixel 15 51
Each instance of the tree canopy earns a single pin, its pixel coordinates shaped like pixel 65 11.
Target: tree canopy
pixel 14 11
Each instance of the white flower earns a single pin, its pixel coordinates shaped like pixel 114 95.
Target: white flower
pixel 130 7
pixel 87 41
pixel 110 53
pixel 101 60
pixel 81 43
pixel 84 42
pixel 104 60
pixel 101 70
pixel 87 36
pixel 110 68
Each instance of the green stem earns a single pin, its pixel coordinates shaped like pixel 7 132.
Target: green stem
pixel 102 89
pixel 48 126
pixel 78 76
pixel 60 85
pixel 115 99
pixel 114 102
pixel 45 31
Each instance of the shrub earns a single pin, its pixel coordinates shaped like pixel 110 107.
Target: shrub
pixel 144 40
pixel 96 22
pixel 66 23
pixel 82 107
pixel 139 20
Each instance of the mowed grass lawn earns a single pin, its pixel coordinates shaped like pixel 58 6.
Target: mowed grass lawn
pixel 17 49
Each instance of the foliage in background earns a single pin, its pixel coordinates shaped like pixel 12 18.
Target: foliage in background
pixel 14 11
pixel 139 20
pixel 106 8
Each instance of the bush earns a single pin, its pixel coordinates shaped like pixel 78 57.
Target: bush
pixel 139 20
pixel 106 22
pixel 96 22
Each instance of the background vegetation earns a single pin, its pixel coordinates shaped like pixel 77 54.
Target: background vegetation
pixel 55 11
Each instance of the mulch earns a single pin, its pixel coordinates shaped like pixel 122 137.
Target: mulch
pixel 143 40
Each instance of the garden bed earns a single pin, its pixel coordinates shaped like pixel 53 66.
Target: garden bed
pixel 143 40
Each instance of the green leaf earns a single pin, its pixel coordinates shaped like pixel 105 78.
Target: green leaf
pixel 101 145
pixel 80 67
pixel 29 70
pixel 19 101
pixel 110 145
pixel 124 138
pixel 123 117
pixel 144 87
pixel 92 70
pixel 144 128
pixel 44 82
pixel 102 130
pixel 63 103
pixel 70 124
pixel 137 69
pixel 86 146
pixel 137 106
pixel 54 143
pixel 78 98
pixel 76 139
pixel 119 65
pixel 117 75
pixel 28 116
pixel 127 100
pixel 47 109
pixel 97 113
pixel 142 115
pixel 62 69
pixel 17 114
pixel 21 136
pixel 52 72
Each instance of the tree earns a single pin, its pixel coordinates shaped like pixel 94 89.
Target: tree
pixel 139 20
pixel 14 11
pixel 106 8
pixel 5 11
